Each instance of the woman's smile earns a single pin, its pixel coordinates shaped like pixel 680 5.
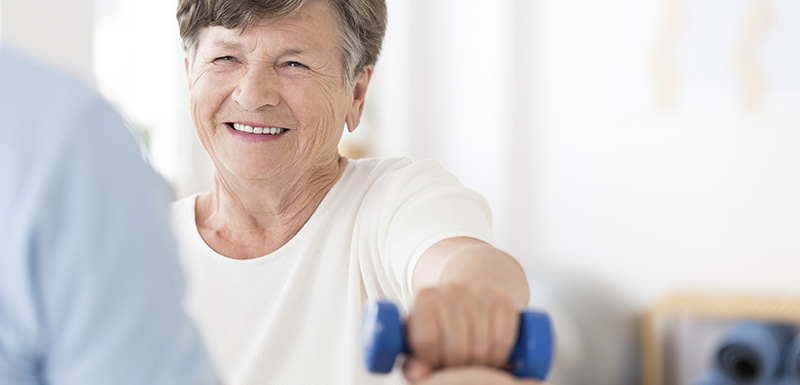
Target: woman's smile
pixel 256 129
pixel 255 133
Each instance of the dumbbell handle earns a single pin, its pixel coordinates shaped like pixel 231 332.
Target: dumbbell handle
pixel 383 338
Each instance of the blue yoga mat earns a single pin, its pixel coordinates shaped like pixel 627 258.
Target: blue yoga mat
pixel 791 368
pixel 750 353
pixel 714 378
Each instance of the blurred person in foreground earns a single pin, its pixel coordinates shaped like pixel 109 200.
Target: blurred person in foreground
pixel 90 286
pixel 282 254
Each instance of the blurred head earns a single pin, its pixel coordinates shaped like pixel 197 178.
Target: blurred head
pixel 361 24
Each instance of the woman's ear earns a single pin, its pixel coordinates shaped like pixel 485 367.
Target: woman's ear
pixel 359 95
pixel 186 65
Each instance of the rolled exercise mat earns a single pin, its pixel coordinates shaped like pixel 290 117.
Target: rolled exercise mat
pixel 750 353
pixel 714 377
pixel 791 364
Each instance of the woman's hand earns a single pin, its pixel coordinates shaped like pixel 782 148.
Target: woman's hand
pixel 473 375
pixel 460 325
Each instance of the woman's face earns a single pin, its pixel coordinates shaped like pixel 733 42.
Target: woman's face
pixel 283 79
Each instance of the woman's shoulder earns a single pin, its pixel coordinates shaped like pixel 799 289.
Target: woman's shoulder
pixel 377 167
pixel 182 203
pixel 373 164
pixel 401 176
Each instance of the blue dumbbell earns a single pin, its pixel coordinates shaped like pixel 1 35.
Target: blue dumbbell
pixel 383 338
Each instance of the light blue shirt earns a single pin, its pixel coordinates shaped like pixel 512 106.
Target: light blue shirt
pixel 90 288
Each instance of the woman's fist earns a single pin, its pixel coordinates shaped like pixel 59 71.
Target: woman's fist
pixel 459 325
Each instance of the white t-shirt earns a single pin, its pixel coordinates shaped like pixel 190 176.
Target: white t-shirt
pixel 294 316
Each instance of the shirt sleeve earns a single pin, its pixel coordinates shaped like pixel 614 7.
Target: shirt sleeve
pixel 417 206
pixel 109 286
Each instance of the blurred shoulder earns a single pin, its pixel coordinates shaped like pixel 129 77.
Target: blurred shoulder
pixel 43 107
pixel 27 81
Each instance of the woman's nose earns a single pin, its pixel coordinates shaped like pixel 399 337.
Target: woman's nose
pixel 257 89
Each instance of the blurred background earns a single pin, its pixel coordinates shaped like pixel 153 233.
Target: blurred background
pixel 629 148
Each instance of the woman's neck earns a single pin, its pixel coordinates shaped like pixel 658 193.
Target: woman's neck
pixel 246 219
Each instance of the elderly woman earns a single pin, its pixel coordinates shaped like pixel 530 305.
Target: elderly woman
pixel 282 254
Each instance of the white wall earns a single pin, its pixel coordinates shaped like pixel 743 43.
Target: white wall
pixel 657 153
pixel 55 31
pixel 697 194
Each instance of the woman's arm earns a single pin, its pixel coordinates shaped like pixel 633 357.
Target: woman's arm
pixel 473 376
pixel 473 262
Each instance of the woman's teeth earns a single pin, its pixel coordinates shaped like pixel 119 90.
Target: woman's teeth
pixel 257 130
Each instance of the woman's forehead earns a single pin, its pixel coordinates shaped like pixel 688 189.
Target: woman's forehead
pixel 313 26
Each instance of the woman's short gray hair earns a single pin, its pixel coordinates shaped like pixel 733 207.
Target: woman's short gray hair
pixel 362 24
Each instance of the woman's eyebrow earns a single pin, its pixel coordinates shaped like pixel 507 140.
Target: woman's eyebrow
pixel 227 44
pixel 291 51
pixel 232 45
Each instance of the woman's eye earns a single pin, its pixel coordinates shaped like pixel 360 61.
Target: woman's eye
pixel 225 58
pixel 295 64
